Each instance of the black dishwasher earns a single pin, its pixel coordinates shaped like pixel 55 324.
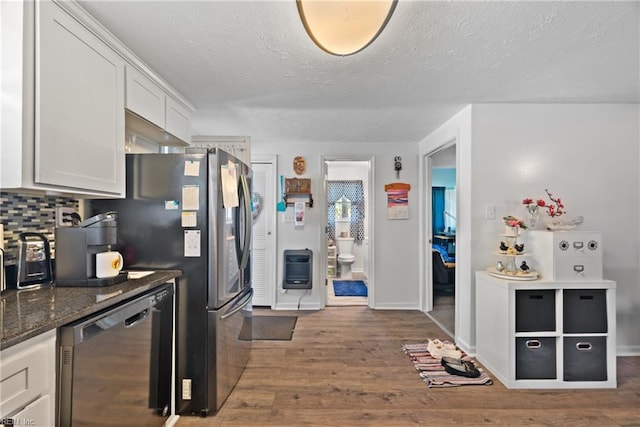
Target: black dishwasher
pixel 115 366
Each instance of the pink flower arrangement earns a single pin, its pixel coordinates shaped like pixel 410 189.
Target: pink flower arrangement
pixel 512 221
pixel 553 210
pixel 531 207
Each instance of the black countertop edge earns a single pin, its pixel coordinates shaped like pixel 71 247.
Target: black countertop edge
pixel 27 313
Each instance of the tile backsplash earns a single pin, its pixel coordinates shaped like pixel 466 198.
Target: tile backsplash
pixel 21 212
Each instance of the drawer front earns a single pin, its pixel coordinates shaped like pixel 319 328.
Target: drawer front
pixel 577 244
pixel 578 268
pixel 37 413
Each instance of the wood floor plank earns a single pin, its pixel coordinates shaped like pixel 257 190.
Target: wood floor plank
pixel 344 367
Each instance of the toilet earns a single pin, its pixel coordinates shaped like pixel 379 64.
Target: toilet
pixel 345 257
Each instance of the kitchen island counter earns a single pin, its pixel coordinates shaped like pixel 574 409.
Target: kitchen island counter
pixel 27 313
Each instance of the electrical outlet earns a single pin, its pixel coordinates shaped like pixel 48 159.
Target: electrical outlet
pixel 60 216
pixel 186 389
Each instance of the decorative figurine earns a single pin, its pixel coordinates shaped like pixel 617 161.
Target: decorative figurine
pixel 519 247
pixel 503 247
pixel 500 267
pixel 524 267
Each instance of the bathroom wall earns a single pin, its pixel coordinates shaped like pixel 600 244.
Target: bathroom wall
pixel 21 212
pixel 356 170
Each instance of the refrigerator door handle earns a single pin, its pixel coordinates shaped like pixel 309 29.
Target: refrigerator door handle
pixel 240 306
pixel 246 246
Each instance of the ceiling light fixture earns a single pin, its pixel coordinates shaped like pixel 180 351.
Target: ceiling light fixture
pixel 344 27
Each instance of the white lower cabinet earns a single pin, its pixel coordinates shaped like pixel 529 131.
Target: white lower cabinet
pixel 27 382
pixel 547 334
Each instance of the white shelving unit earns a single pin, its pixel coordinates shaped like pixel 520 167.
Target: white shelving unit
pixel 332 261
pixel 547 334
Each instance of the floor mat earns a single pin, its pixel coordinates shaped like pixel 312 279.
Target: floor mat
pixel 349 288
pixel 433 373
pixel 269 328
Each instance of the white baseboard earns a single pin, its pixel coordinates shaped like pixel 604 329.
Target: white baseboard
pixel 628 350
pixel 398 306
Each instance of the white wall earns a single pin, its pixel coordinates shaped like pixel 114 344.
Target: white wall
pixel 587 154
pixel 394 269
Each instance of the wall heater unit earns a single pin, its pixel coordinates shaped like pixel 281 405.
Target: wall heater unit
pixel 297 269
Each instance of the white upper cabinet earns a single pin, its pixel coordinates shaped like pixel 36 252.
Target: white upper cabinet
pixel 149 101
pixel 69 88
pixel 144 97
pixel 79 106
pixel 62 104
pixel 178 120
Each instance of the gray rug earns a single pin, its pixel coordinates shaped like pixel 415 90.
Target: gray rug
pixel 269 328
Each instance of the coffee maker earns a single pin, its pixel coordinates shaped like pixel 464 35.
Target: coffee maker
pixel 76 249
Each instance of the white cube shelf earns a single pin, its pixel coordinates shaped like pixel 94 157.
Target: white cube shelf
pixel 518 344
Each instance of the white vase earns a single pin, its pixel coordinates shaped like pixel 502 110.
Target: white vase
pixel 511 231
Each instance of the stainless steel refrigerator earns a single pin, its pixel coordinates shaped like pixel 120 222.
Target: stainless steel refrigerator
pixel 192 212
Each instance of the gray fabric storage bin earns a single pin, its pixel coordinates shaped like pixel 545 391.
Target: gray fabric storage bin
pixel 585 311
pixel 585 358
pixel 535 310
pixel 535 358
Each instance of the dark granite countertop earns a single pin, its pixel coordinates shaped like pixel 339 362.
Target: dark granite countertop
pixel 27 313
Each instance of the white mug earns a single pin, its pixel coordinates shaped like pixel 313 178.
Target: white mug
pixel 108 264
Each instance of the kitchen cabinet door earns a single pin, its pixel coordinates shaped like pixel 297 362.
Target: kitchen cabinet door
pixel 80 134
pixel 27 381
pixel 144 97
pixel 178 120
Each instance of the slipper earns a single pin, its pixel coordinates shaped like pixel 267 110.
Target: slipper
pixel 437 349
pixel 460 367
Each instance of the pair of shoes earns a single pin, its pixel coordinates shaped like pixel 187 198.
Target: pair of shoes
pixel 437 349
pixel 460 367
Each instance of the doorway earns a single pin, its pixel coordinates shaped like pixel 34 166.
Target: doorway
pixel 263 247
pixel 442 223
pixel 347 238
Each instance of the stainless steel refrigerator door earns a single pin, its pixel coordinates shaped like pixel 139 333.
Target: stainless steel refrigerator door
pixel 232 236
pixel 230 342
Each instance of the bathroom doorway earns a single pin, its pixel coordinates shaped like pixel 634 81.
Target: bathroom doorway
pixel 442 218
pixel 348 241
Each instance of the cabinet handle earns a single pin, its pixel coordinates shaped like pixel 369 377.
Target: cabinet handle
pixel 578 245
pixel 578 268
pixel 583 346
pixel 533 344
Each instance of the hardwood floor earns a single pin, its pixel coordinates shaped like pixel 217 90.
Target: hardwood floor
pixel 444 312
pixel 344 367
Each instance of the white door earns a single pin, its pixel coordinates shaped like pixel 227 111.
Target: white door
pixel 263 259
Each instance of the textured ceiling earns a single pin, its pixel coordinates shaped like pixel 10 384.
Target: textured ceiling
pixel 250 69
